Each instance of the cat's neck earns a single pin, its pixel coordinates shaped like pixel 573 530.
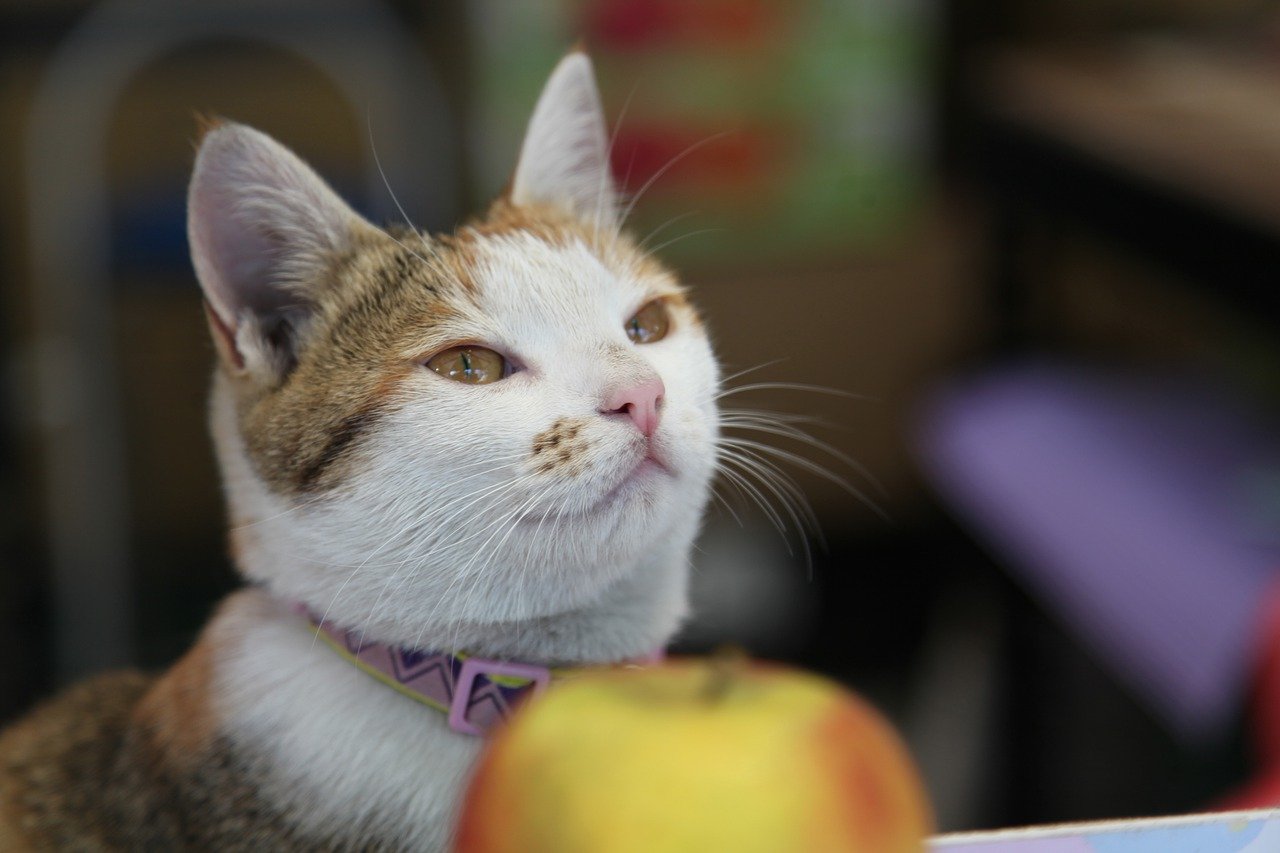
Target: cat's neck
pixel 632 618
pixel 328 749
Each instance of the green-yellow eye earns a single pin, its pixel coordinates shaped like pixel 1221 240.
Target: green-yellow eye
pixel 651 323
pixel 469 364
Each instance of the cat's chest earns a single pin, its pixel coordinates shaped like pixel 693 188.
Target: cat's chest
pixel 344 757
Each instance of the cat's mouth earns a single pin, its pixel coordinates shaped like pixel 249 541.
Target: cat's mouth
pixel 651 468
pixel 648 469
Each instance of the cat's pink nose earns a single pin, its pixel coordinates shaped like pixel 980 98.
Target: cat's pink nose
pixel 639 402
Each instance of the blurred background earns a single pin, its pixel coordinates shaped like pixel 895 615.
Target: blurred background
pixel 1033 249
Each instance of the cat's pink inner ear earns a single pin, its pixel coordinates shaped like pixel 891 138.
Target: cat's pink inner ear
pixel 261 226
pixel 224 338
pixel 564 160
pixel 231 254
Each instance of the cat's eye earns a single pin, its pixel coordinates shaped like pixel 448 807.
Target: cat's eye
pixel 470 364
pixel 651 323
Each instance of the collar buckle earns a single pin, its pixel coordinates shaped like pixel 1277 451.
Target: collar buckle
pixel 476 708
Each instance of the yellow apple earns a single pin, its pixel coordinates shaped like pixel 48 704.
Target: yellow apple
pixel 695 755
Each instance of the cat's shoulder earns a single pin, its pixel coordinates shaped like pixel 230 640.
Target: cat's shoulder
pixel 53 761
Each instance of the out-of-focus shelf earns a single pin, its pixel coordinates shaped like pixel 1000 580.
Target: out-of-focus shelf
pixel 1170 151
pixel 1198 119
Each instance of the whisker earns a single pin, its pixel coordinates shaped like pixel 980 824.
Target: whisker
pixel 716 496
pixel 794 504
pixel 509 522
pixel 365 628
pixel 756 495
pixel 811 467
pixel 377 161
pixel 658 248
pixel 308 503
pixel 767 424
pixel 777 481
pixel 664 226
pixel 304 504
pixel 779 419
pixel 626 213
pixel 444 523
pixel 745 371
pixel 606 173
pixel 791 386
pixel 338 593
pixel 415 519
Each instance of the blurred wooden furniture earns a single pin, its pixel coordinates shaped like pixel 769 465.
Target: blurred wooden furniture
pixel 1169 150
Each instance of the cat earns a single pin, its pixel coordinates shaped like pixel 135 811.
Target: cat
pixel 498 442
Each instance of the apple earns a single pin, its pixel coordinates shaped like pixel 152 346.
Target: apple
pixel 695 755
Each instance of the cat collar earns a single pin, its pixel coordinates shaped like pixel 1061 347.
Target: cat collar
pixel 476 693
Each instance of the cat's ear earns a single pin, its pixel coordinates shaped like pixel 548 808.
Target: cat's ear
pixel 262 227
pixel 564 161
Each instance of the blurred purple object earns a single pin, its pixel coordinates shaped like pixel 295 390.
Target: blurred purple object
pixel 1127 504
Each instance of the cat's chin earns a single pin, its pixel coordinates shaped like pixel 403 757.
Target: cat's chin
pixel 646 477
pixel 632 544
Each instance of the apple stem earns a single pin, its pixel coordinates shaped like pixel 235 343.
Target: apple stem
pixel 724 666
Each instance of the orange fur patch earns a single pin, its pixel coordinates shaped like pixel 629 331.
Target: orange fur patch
pixel 383 302
pixel 546 223
pixel 205 123
pixel 176 713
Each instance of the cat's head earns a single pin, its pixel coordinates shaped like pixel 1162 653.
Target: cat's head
pixel 497 425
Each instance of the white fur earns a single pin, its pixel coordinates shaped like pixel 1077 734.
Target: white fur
pixel 336 751
pixel 445 534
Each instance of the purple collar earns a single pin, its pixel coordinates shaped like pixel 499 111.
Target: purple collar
pixel 476 693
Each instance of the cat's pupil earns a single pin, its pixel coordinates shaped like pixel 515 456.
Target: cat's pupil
pixel 470 365
pixel 651 323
